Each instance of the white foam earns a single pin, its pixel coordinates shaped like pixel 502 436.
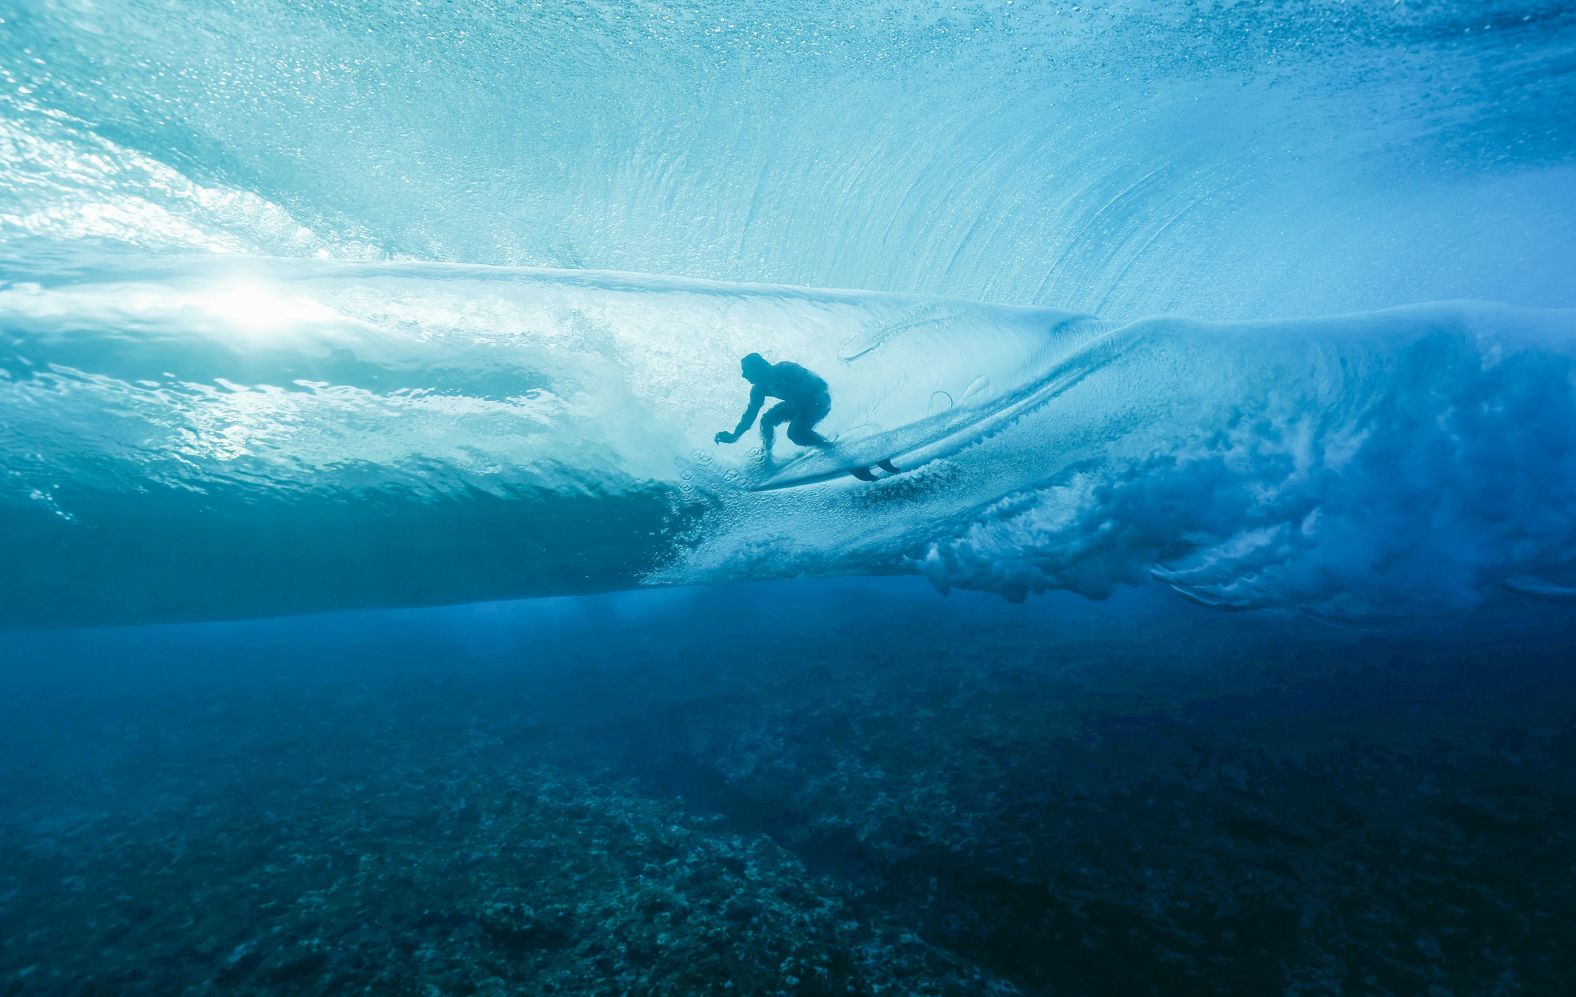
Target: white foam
pixel 1394 464
pixel 1404 463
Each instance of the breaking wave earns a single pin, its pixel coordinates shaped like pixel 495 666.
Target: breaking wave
pixel 199 437
pixel 249 363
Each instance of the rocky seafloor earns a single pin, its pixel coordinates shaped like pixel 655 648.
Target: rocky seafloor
pixel 787 789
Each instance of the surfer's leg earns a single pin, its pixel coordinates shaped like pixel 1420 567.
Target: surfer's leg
pixel 775 416
pixel 802 429
pixel 805 437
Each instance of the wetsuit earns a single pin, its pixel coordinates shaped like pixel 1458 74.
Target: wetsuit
pixel 805 402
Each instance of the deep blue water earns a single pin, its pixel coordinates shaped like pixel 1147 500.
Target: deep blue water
pixel 378 614
pixel 813 787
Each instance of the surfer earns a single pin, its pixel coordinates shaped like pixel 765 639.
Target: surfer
pixel 805 402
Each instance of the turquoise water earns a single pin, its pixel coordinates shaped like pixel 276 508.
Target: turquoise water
pixel 373 584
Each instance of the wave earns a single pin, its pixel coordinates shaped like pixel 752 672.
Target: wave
pixel 201 437
pixel 1220 160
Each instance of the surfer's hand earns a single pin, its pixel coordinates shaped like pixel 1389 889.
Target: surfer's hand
pixel 724 437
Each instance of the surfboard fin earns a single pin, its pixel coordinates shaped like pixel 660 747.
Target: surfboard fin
pixel 869 473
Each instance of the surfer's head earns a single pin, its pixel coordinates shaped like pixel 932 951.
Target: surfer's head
pixel 754 367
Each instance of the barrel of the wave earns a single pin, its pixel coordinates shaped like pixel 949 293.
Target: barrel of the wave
pixel 207 438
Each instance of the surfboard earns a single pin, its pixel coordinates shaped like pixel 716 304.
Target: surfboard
pixel 883 455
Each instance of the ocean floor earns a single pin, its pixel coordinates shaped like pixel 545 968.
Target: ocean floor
pixel 796 788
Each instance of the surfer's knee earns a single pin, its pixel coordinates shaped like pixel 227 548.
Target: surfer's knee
pixel 805 437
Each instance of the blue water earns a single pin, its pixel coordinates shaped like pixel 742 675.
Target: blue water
pixel 377 612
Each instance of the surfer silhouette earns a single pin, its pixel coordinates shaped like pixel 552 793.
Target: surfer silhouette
pixel 805 401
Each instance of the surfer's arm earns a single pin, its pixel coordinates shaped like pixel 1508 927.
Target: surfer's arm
pixel 757 399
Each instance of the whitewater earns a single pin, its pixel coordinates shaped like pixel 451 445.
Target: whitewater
pixel 314 309
pixel 1184 604
pixel 192 438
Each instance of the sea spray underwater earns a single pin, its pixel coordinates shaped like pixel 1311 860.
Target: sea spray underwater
pixel 308 308
pixel 495 433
